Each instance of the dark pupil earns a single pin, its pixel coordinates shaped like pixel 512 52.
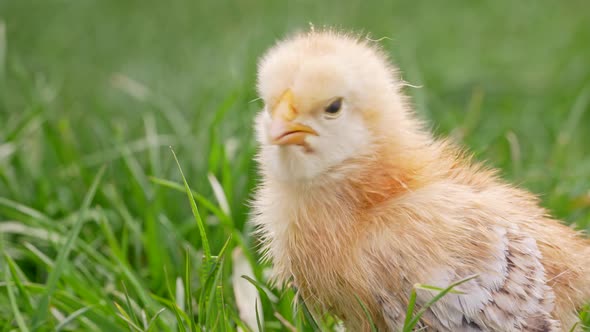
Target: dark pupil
pixel 334 107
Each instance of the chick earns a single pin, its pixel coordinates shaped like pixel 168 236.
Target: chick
pixel 359 200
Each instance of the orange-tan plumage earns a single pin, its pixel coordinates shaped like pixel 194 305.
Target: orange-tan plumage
pixel 364 202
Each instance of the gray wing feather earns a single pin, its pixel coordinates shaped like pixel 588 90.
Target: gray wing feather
pixel 509 294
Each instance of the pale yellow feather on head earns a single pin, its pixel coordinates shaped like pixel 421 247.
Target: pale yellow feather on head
pixel 343 97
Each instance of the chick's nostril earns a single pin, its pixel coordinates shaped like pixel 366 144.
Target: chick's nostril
pixel 285 108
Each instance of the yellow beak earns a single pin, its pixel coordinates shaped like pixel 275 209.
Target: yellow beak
pixel 283 130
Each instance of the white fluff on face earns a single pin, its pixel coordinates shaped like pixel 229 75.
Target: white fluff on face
pixel 317 72
pixel 338 139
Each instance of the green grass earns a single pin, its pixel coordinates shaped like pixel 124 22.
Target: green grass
pixel 92 84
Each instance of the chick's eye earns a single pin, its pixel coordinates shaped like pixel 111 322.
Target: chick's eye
pixel 334 108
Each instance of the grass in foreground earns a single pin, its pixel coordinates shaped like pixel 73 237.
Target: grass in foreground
pixel 90 84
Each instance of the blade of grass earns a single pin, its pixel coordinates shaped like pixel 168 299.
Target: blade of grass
pixel 197 216
pixel 151 134
pixel 438 289
pixel 367 314
pixel 411 307
pixel 219 194
pixel 223 218
pixel 179 294
pixel 436 298
pixel 258 322
pixel 128 303
pixel 27 211
pixel 309 317
pixel 222 308
pixel 244 291
pixel 19 284
pixel 574 118
pixel 2 47
pixel 144 319
pixel 286 324
pixel 125 317
pixel 198 197
pixel 208 291
pixel 15 311
pixel 187 290
pixel 227 179
pixel 154 318
pixel 262 289
pixel 71 317
pixel 212 298
pixel 41 313
pixel 236 319
pixel 180 315
pixel 179 312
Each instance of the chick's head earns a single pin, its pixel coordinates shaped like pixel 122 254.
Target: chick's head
pixel 327 97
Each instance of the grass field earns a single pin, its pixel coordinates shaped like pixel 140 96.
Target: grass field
pixel 96 230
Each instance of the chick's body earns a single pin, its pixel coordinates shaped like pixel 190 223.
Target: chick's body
pixel 362 202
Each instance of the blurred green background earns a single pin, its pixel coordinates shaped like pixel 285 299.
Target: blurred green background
pixel 90 83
